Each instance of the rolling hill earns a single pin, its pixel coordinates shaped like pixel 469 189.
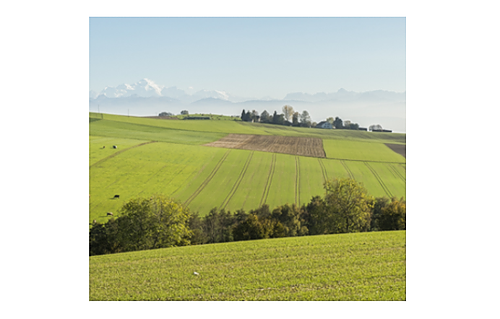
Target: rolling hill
pixel 173 157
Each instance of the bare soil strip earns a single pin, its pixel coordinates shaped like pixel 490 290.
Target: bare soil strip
pixel 119 152
pixel 398 148
pixel 304 146
pixel 209 178
pixel 379 180
pixel 237 183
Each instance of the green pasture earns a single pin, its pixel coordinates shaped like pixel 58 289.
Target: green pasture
pixel 350 135
pixel 378 178
pixel 356 150
pixel 282 189
pixel 102 147
pixel 214 117
pixel 161 159
pixel 207 177
pixel 152 133
pixel 358 266
pixel 219 189
pixel 142 171
pixel 253 184
pixel 311 178
pixel 240 127
pixel 211 126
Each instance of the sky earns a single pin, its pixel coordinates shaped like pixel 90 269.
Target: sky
pixel 250 57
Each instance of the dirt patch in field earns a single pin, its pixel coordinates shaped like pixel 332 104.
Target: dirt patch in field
pixel 398 148
pixel 304 146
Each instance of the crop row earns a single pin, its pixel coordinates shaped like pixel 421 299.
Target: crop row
pixel 207 177
pixel 246 180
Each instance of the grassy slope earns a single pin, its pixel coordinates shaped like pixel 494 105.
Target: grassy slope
pixel 98 153
pixel 152 133
pixel 194 173
pixel 360 150
pixel 363 266
pixel 239 127
pixel 141 171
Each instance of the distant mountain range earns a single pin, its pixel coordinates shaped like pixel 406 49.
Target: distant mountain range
pixel 145 97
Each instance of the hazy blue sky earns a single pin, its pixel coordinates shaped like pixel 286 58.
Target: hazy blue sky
pixel 250 57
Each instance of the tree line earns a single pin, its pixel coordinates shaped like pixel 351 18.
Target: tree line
pixel 290 117
pixel 160 222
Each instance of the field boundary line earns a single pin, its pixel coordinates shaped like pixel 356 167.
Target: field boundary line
pixel 394 169
pixel 207 180
pixel 386 189
pixel 323 169
pixel 347 169
pixel 297 180
pixel 361 160
pixel 119 152
pixel 269 179
pixel 238 182
pixel 323 148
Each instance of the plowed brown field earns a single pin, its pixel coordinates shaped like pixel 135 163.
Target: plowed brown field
pixel 304 146
pixel 398 148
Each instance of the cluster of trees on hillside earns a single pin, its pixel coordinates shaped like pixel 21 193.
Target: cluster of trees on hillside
pixel 159 222
pixel 290 117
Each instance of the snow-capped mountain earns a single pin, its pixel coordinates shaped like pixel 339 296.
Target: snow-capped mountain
pixel 143 88
pixel 148 88
pixel 145 97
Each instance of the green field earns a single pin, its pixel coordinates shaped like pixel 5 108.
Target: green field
pixel 240 127
pixel 360 266
pixel 168 157
pixel 356 150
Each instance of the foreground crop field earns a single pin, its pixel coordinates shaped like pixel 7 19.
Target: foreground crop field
pixel 362 266
pixel 168 157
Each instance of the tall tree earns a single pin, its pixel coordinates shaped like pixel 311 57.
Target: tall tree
pixel 243 115
pixel 348 206
pixel 338 123
pixel 305 119
pixel 316 216
pixel 154 222
pixel 247 116
pixel 295 119
pixel 393 215
pixel 264 117
pixel 287 112
pixel 275 117
pixel 250 228
pixel 289 216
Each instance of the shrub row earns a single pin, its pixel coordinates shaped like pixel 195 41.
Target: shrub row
pixel 159 222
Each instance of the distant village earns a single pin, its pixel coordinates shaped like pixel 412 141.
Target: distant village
pixel 289 117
